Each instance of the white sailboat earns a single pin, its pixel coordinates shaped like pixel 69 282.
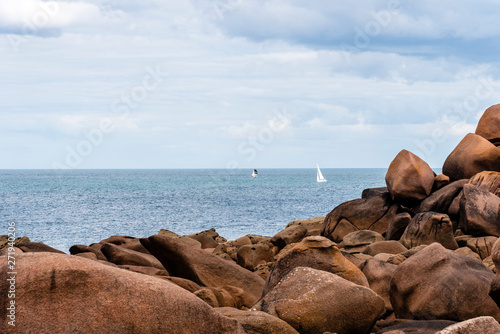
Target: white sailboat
pixel 319 176
pixel 255 173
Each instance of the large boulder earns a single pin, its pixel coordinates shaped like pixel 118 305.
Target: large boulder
pixel 379 274
pixel 313 225
pixel 386 247
pixel 472 155
pixel 489 181
pixel 373 213
pixel 372 192
pixel 409 179
pixel 315 301
pixel 58 293
pixel 6 239
pixel 436 283
pixel 222 297
pixel 29 246
pixel 122 256
pixel 362 238
pixel 289 235
pixel 205 269
pixel 205 238
pixel 127 242
pixel 258 322
pixel 495 284
pixel 489 125
pixel 187 240
pixel 397 226
pixel 429 227
pixel 250 256
pixel 440 200
pixel 119 240
pixel 318 253
pixel 79 249
pixel 482 246
pixel 479 212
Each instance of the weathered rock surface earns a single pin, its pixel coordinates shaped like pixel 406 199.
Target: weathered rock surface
pixel 257 322
pixel 472 155
pixel 489 181
pixel 361 238
pixel 397 226
pixel 473 326
pixel 409 179
pixel 373 192
pixel 440 181
pixel 479 212
pixel 488 262
pixel 466 251
pixel 94 248
pixel 205 238
pixel 60 293
pixel 4 241
pixel 429 227
pixel 10 250
pixel 316 301
pixel 405 326
pixel 181 282
pixel 374 213
pixel 88 255
pixel 379 274
pixel 250 256
pixel 318 253
pixel 482 246
pixel 187 240
pixel 289 235
pixel 400 258
pixel 216 297
pixel 205 269
pixel 440 200
pixel 146 270
pixel 489 125
pixel 208 296
pixel 495 284
pixel 29 246
pixel 122 256
pixel 387 247
pixel 312 224
pixel 436 283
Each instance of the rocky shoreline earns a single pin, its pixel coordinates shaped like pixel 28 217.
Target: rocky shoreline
pixel 421 255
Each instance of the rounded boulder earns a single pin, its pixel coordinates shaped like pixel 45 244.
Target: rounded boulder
pixel 60 293
pixel 409 179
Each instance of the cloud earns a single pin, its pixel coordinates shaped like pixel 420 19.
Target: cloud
pixel 377 25
pixel 45 18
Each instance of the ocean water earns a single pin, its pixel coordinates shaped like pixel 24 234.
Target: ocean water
pixel 67 207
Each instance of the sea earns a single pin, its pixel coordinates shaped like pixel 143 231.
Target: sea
pixel 67 207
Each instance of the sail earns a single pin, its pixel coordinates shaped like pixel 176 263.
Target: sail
pixel 319 176
pixel 255 173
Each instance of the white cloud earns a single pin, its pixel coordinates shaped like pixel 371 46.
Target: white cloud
pixel 329 23
pixel 35 17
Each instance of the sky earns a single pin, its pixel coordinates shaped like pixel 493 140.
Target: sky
pixel 242 83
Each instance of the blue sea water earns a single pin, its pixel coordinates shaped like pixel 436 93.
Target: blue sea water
pixel 67 207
